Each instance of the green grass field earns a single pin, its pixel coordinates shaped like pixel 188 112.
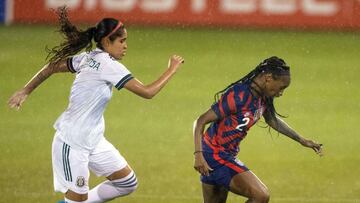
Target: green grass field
pixel 155 136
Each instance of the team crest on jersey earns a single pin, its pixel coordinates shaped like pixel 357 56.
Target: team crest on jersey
pixel 80 181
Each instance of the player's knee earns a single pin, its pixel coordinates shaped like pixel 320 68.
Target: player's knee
pixel 126 185
pixel 265 197
pixel 262 195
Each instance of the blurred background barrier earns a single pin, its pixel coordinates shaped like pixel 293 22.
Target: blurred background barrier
pixel 2 11
pixel 300 14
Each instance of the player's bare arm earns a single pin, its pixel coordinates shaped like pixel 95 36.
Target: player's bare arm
pixel 198 130
pixel 149 91
pixel 282 127
pixel 20 96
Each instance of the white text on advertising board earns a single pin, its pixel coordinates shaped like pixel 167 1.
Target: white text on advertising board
pixel 267 7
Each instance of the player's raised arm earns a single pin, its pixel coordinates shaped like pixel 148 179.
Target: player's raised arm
pixel 16 100
pixel 149 91
pixel 282 127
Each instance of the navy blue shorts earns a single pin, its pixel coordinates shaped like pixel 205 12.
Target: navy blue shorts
pixel 224 168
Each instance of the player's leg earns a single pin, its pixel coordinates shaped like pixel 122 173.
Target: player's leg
pixel 214 193
pixel 120 183
pixel 71 196
pixel 247 184
pixel 107 161
pixel 70 170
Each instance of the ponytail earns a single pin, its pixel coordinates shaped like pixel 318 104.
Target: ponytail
pixel 75 39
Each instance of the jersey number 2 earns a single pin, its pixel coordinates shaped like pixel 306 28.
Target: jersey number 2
pixel 241 126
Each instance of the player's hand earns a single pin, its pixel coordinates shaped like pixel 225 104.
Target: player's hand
pixel 317 147
pixel 175 61
pixel 201 165
pixel 17 99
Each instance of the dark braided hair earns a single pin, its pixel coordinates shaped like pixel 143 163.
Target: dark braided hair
pixel 274 65
pixel 76 39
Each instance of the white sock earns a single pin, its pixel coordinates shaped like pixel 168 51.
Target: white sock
pixel 72 201
pixel 109 190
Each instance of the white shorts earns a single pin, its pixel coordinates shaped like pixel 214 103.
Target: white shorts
pixel 71 166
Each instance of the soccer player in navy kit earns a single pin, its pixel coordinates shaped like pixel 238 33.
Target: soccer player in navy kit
pixel 79 143
pixel 239 107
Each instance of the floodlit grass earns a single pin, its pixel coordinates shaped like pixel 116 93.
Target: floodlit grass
pixel 155 136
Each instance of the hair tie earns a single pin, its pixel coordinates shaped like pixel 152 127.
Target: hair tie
pixel 91 32
pixel 114 30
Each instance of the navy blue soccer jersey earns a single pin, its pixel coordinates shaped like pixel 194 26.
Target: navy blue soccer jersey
pixel 237 110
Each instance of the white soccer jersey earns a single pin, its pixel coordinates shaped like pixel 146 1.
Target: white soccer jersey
pixel 82 124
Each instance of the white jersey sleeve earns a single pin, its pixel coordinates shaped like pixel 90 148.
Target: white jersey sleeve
pixel 73 62
pixel 116 74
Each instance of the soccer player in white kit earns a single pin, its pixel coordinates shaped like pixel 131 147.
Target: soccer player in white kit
pixel 79 143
